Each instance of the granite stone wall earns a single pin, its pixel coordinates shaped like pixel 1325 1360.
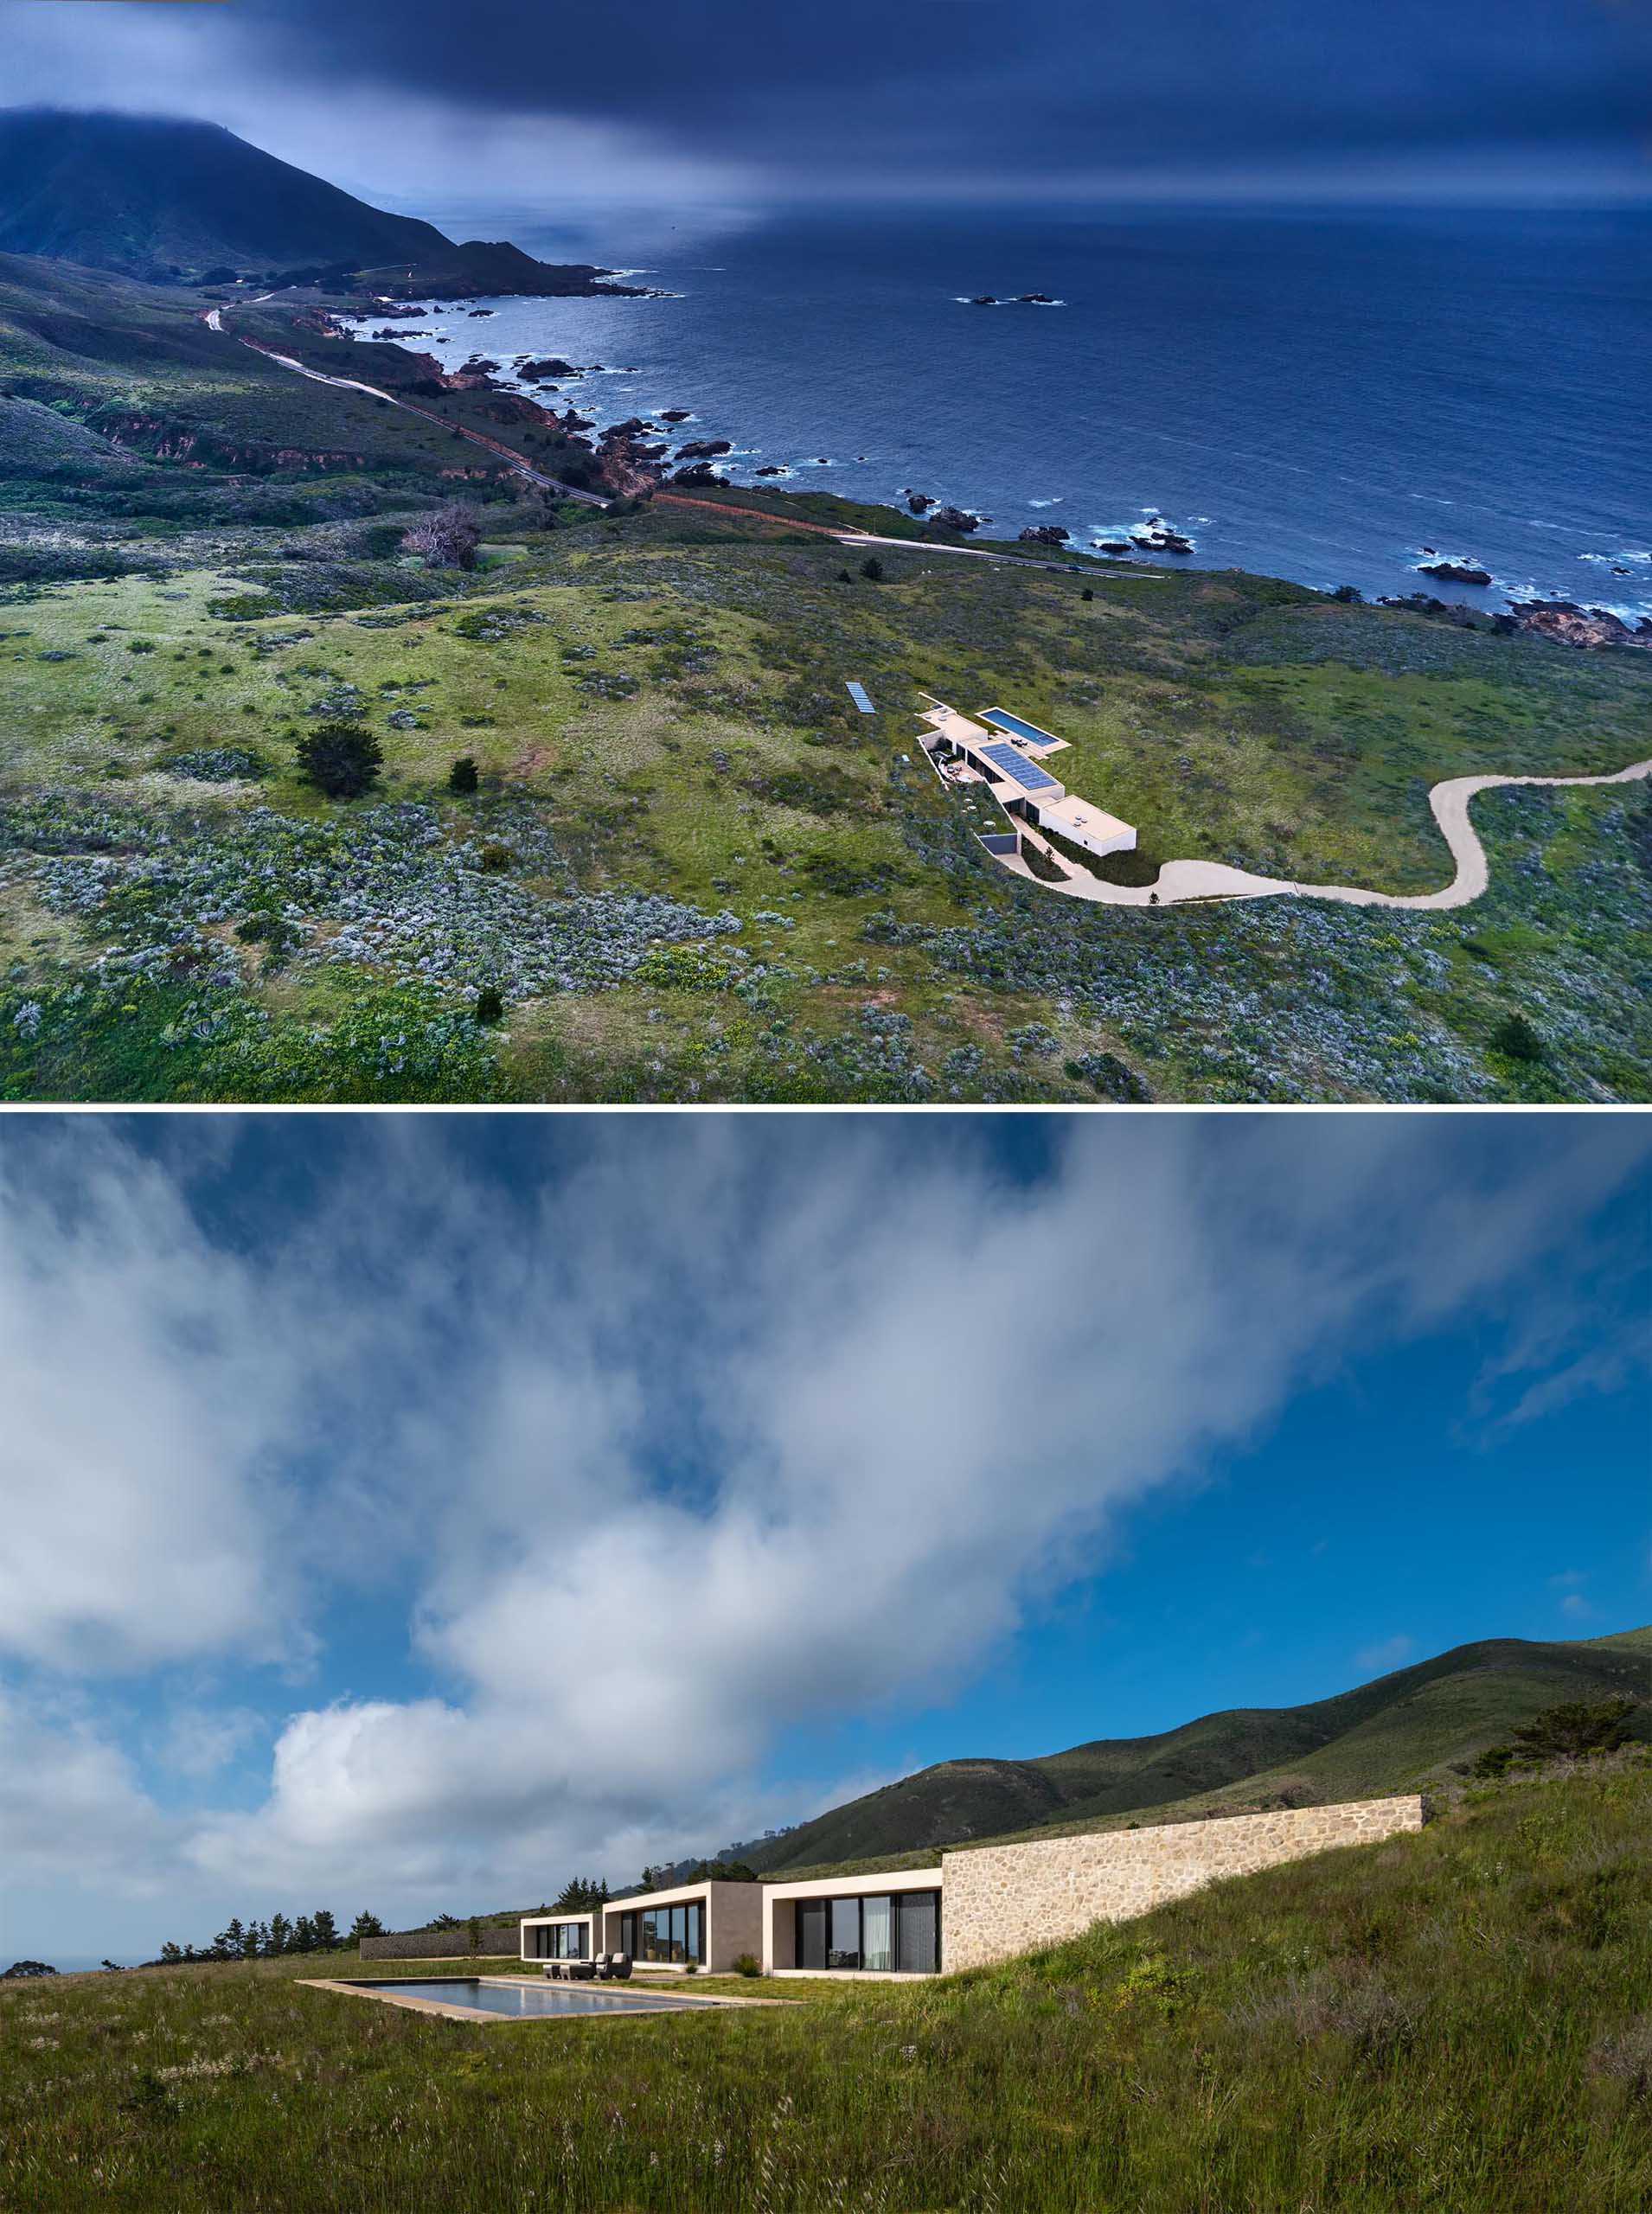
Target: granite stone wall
pixel 1001 1900
pixel 442 1944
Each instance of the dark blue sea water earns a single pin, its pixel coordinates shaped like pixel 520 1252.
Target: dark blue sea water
pixel 1318 396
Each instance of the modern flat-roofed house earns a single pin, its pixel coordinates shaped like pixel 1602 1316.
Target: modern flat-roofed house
pixel 1011 760
pixel 705 1925
pixel 975 1905
pixel 566 1936
pixel 864 1925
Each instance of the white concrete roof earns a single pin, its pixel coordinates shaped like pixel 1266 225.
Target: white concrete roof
pixel 846 1887
pixel 1078 815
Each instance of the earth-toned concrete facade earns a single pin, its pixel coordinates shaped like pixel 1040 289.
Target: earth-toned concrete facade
pixel 1001 1900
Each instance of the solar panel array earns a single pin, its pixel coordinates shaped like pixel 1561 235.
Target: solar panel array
pixel 1026 773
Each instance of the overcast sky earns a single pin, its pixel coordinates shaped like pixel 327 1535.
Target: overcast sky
pixel 510 104
pixel 412 1513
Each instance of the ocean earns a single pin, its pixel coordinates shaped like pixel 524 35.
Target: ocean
pixel 1326 397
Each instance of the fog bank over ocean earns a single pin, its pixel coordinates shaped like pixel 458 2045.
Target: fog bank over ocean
pixel 1318 395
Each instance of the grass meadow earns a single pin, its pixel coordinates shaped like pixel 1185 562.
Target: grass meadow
pixel 664 696
pixel 1455 2023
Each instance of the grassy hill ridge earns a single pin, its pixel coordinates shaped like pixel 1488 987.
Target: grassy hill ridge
pixel 169 200
pixel 1397 1732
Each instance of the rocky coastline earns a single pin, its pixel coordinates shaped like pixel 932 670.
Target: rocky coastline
pixel 634 459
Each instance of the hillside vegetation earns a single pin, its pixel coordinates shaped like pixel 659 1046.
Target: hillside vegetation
pixel 1451 2022
pixel 171 200
pixel 688 868
pixel 1405 1732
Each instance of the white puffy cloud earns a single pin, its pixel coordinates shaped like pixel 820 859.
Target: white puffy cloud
pixel 669 1440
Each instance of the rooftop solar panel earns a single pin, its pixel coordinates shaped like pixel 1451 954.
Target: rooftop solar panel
pixel 1026 773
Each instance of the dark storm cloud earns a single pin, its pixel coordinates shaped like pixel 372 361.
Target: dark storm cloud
pixel 949 93
pixel 1069 80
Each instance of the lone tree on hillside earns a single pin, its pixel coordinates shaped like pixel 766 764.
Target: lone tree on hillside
pixel 341 759
pixel 462 776
pixel 446 539
pixel 1574 1730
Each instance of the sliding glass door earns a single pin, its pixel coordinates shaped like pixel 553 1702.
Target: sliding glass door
pixel 668 1936
pixel 886 1934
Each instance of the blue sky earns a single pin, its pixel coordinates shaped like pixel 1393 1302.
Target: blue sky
pixel 412 1512
pixel 747 103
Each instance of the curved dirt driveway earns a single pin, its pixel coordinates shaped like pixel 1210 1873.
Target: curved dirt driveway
pixel 1181 881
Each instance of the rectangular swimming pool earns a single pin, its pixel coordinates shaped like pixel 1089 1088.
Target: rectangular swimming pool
pixel 535 1999
pixel 1017 728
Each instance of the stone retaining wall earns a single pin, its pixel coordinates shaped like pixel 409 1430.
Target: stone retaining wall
pixel 497 1937
pixel 1004 1899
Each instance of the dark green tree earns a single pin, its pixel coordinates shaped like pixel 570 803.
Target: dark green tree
pixel 462 776
pixel 342 759
pixel 366 1925
pixel 1516 1040
pixel 872 569
pixel 1575 1728
pixel 326 1930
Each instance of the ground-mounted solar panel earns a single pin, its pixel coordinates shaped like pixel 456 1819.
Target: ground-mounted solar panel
pixel 1026 773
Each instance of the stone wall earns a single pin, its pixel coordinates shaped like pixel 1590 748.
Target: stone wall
pixel 442 1944
pixel 1004 1899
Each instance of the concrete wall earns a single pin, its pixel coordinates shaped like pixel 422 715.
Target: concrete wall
pixel 1001 1900
pixel 441 1945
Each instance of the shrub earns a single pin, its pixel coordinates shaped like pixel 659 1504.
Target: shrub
pixel 462 777
pixel 872 569
pixel 1516 1040
pixel 446 539
pixel 341 759
pixel 496 857
pixel 747 1964
pixel 488 1005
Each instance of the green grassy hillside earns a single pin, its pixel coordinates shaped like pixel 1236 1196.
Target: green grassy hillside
pixel 1451 2022
pixel 169 200
pixel 161 197
pixel 773 898
pixel 1400 1733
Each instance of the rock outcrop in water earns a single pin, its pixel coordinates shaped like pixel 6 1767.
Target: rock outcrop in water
pixel 1455 573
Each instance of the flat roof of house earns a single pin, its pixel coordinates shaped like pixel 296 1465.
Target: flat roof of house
pixel 1079 814
pixel 956 729
pixel 678 1894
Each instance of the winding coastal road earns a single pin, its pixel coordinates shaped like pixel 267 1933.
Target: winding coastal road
pixel 1179 881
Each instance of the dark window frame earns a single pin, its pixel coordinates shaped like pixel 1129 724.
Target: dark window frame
pixel 550 1940
pixel 676 1947
pixel 826 1905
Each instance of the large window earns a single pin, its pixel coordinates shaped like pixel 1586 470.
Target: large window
pixel 668 1935
pixel 557 1940
pixel 894 1933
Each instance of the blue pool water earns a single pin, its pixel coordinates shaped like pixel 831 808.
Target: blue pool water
pixel 1314 395
pixel 1002 720
pixel 534 1999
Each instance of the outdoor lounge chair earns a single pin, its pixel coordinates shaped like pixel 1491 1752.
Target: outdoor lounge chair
pixel 620 1964
pixel 579 1971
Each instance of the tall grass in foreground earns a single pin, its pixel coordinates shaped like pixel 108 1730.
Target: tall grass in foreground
pixel 1457 2020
